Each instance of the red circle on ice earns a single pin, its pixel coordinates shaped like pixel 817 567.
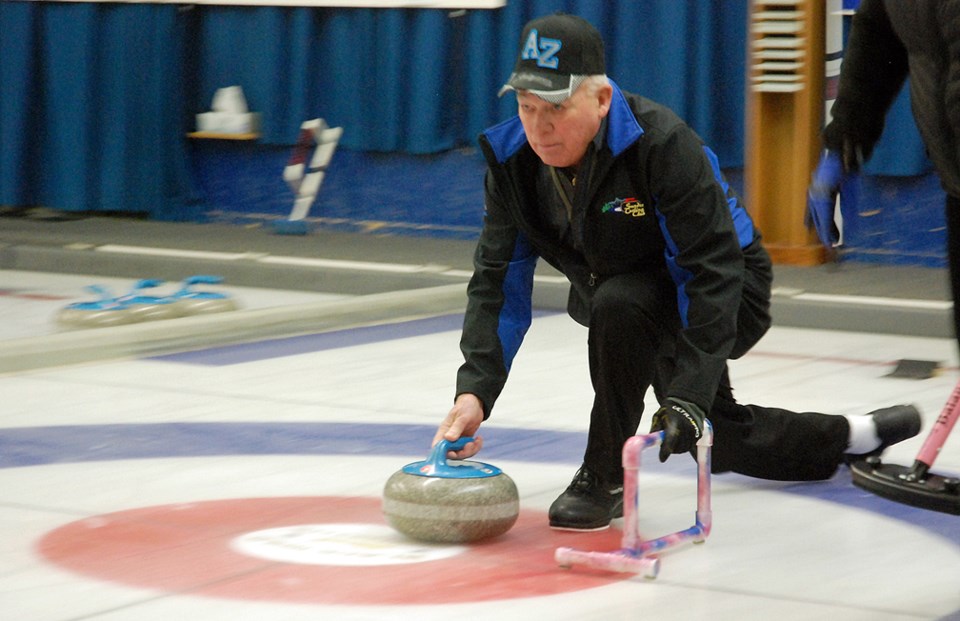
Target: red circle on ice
pixel 211 548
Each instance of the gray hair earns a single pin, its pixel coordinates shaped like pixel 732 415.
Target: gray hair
pixel 594 83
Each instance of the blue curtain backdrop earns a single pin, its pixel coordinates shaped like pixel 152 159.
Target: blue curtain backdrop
pixel 422 81
pixel 90 113
pixel 97 98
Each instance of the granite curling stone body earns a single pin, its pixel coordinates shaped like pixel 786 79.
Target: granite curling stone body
pixel 105 312
pixel 190 301
pixel 133 307
pixel 438 502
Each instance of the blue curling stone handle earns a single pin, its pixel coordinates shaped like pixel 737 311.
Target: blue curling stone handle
pixel 436 465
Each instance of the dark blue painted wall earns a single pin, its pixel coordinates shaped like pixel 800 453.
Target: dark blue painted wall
pixel 900 218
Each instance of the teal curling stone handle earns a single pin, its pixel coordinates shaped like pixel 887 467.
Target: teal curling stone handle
pixel 436 464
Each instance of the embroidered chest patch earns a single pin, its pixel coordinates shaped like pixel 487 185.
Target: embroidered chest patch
pixel 630 206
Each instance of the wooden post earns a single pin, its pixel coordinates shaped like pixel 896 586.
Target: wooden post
pixel 785 102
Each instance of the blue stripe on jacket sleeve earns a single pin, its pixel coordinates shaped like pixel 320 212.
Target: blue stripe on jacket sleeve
pixel 742 222
pixel 679 275
pixel 516 314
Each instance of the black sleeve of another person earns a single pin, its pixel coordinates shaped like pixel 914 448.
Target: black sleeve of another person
pixel 873 71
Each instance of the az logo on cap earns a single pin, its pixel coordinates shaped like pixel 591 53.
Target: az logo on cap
pixel 544 52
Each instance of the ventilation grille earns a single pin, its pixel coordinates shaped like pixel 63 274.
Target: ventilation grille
pixel 778 57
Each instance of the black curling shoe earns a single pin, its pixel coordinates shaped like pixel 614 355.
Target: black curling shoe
pixel 894 424
pixel 587 503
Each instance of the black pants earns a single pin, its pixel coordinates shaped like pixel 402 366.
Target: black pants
pixel 953 257
pixel 633 325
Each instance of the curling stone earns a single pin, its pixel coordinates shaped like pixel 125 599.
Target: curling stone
pixel 149 307
pixel 438 502
pixel 102 313
pixel 189 301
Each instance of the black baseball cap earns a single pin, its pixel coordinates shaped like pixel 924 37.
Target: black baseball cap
pixel 556 53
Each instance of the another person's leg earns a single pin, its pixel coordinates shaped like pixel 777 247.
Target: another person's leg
pixel 952 212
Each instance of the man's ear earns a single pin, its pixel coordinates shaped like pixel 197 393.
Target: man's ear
pixel 604 97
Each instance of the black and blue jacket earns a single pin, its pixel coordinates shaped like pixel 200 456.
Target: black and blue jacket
pixel 654 199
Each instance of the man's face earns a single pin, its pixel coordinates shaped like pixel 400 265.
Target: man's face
pixel 560 133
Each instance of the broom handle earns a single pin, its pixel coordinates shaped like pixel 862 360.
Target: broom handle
pixel 938 435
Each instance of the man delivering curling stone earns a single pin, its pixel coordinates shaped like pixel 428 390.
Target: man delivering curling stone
pixel 667 272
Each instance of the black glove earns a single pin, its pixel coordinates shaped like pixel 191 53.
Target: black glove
pixel 682 425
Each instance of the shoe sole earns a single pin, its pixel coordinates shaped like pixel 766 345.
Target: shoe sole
pixel 579 529
pixel 585 529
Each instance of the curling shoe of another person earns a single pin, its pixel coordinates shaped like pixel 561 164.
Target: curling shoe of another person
pixel 587 504
pixel 873 433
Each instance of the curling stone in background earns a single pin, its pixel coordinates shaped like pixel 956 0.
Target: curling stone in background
pixel 190 301
pixel 102 313
pixel 149 307
pixel 438 502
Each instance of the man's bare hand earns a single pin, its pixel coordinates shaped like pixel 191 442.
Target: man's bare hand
pixel 464 419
